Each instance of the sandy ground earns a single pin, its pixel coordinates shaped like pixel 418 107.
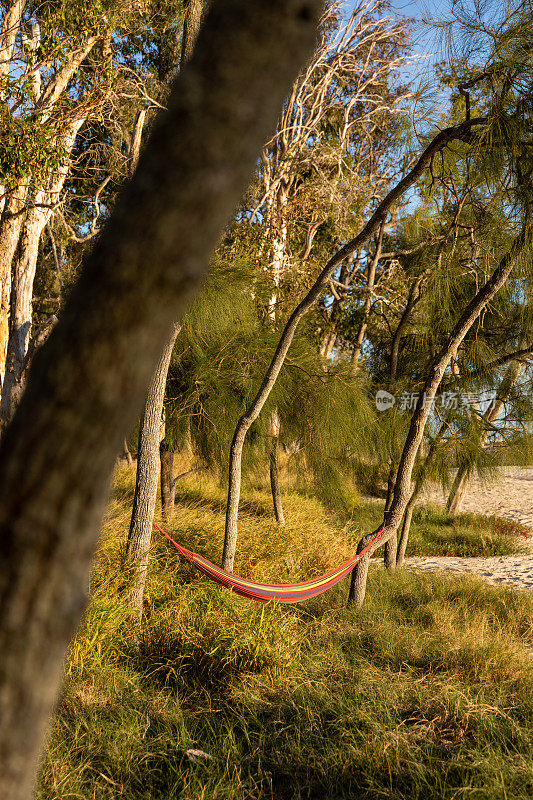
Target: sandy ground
pixel 511 496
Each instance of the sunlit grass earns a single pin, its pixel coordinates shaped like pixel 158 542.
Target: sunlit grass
pixel 427 692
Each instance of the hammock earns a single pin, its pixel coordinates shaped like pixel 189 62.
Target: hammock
pixel 263 592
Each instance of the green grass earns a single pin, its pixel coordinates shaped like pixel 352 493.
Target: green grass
pixel 425 693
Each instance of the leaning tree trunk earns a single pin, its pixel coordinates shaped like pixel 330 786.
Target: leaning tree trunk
pixel 274 468
pixel 148 466
pixel 88 381
pixel 461 131
pixel 391 545
pixel 409 509
pixel 403 490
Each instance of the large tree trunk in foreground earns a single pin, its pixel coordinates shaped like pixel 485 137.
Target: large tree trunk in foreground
pixel 402 489
pixel 148 465
pixel 191 27
pixel 88 382
pixel 461 131
pixel 509 381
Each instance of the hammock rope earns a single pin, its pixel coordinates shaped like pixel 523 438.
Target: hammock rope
pixel 264 592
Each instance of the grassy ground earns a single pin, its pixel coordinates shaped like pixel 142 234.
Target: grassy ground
pixel 425 693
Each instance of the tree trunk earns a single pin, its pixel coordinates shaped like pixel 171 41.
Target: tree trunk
pixel 10 226
pixel 126 455
pixel 420 416
pixel 88 381
pixel 21 307
pixel 460 483
pixel 370 280
pixel 440 141
pixel 274 468
pixel 168 484
pixel 457 492
pixel 358 579
pixel 191 27
pixel 24 267
pixel 148 467
pixel 406 529
pixel 389 558
pixel 148 460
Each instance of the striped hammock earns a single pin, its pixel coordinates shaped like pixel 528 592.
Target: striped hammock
pixel 263 592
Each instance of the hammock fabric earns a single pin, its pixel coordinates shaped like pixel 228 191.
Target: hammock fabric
pixel 263 592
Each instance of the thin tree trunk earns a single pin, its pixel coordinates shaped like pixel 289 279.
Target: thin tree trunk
pixel 406 529
pixel 421 478
pixel 457 492
pixel 126 455
pixel 391 546
pixel 420 416
pixel 370 280
pixel 459 486
pixel 24 268
pixel 10 227
pixel 440 141
pixel 389 558
pixel 88 381
pixel 148 459
pixel 148 468
pixel 168 484
pixel 274 468
pixel 21 307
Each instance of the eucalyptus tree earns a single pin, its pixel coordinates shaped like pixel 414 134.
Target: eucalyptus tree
pixel 151 432
pixel 63 75
pixel 87 383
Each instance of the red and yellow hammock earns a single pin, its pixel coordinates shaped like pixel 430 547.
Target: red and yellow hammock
pixel 264 592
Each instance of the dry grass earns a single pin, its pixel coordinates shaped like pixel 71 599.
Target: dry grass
pixel 426 693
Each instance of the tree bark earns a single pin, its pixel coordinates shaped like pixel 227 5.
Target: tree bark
pixel 402 491
pixel 23 272
pixel 168 484
pixel 148 459
pixel 88 381
pixel 461 131
pixel 126 455
pixel 389 558
pixel 408 514
pixel 274 468
pixel 148 467
pixel 191 27
pixel 10 227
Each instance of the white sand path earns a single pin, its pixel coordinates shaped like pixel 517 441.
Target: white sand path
pixel 512 497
